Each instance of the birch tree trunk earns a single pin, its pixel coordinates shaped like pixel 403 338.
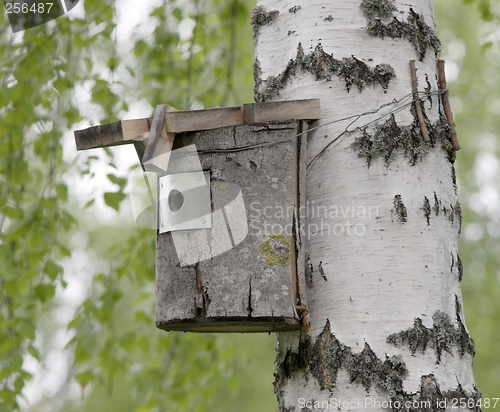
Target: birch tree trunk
pixel 384 300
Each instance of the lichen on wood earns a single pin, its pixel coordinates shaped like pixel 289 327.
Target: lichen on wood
pixel 276 250
pixel 323 66
pixel 414 29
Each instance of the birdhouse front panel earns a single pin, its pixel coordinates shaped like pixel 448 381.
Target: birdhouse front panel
pixel 229 253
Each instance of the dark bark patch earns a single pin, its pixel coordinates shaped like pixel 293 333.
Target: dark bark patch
pixel 460 268
pixel 323 66
pixel 472 399
pixel 437 204
pixel 454 179
pixel 363 367
pixel 327 357
pixel 378 9
pixel 442 337
pixel 416 338
pixel 430 393
pixel 445 334
pixel 400 209
pixel 458 216
pixel 389 139
pixel 427 210
pixel 431 398
pixel 292 362
pixel 389 379
pixel 260 17
pixel 414 29
pixel 294 9
pixel 466 343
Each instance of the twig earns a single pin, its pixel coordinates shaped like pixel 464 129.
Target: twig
pixel 418 109
pixel 446 105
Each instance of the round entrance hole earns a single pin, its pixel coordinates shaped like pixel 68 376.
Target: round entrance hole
pixel 175 200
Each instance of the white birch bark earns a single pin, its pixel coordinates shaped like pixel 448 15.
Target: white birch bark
pixel 386 234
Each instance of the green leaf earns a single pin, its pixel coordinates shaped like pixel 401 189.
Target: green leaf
pixel 84 378
pixel 177 13
pixel 45 292
pixel 117 180
pixel 16 363
pixel 27 328
pixel 52 269
pixel 113 199
pixel 33 351
pixel 19 384
pixel 486 46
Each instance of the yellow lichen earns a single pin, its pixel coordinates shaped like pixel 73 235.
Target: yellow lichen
pixel 276 251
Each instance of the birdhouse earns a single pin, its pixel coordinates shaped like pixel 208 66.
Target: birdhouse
pixel 230 184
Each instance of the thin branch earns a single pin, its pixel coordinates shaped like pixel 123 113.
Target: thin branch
pixel 418 109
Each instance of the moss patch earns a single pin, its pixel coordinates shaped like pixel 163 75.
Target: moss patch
pixel 276 251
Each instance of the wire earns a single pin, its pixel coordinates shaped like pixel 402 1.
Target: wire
pixel 356 117
pixel 398 109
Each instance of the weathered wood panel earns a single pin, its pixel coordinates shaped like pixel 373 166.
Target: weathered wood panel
pixel 253 286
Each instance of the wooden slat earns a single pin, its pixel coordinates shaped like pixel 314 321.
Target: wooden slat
pixel 126 131
pixel 281 111
pixel 188 121
pixel 159 141
pixel 111 134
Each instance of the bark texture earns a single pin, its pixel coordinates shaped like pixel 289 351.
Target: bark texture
pixel 384 295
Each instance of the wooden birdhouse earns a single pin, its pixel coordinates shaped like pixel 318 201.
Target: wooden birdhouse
pixel 230 182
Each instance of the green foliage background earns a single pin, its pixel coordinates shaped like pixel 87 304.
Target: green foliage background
pixel 71 73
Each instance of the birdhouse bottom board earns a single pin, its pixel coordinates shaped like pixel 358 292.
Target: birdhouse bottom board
pixel 245 272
